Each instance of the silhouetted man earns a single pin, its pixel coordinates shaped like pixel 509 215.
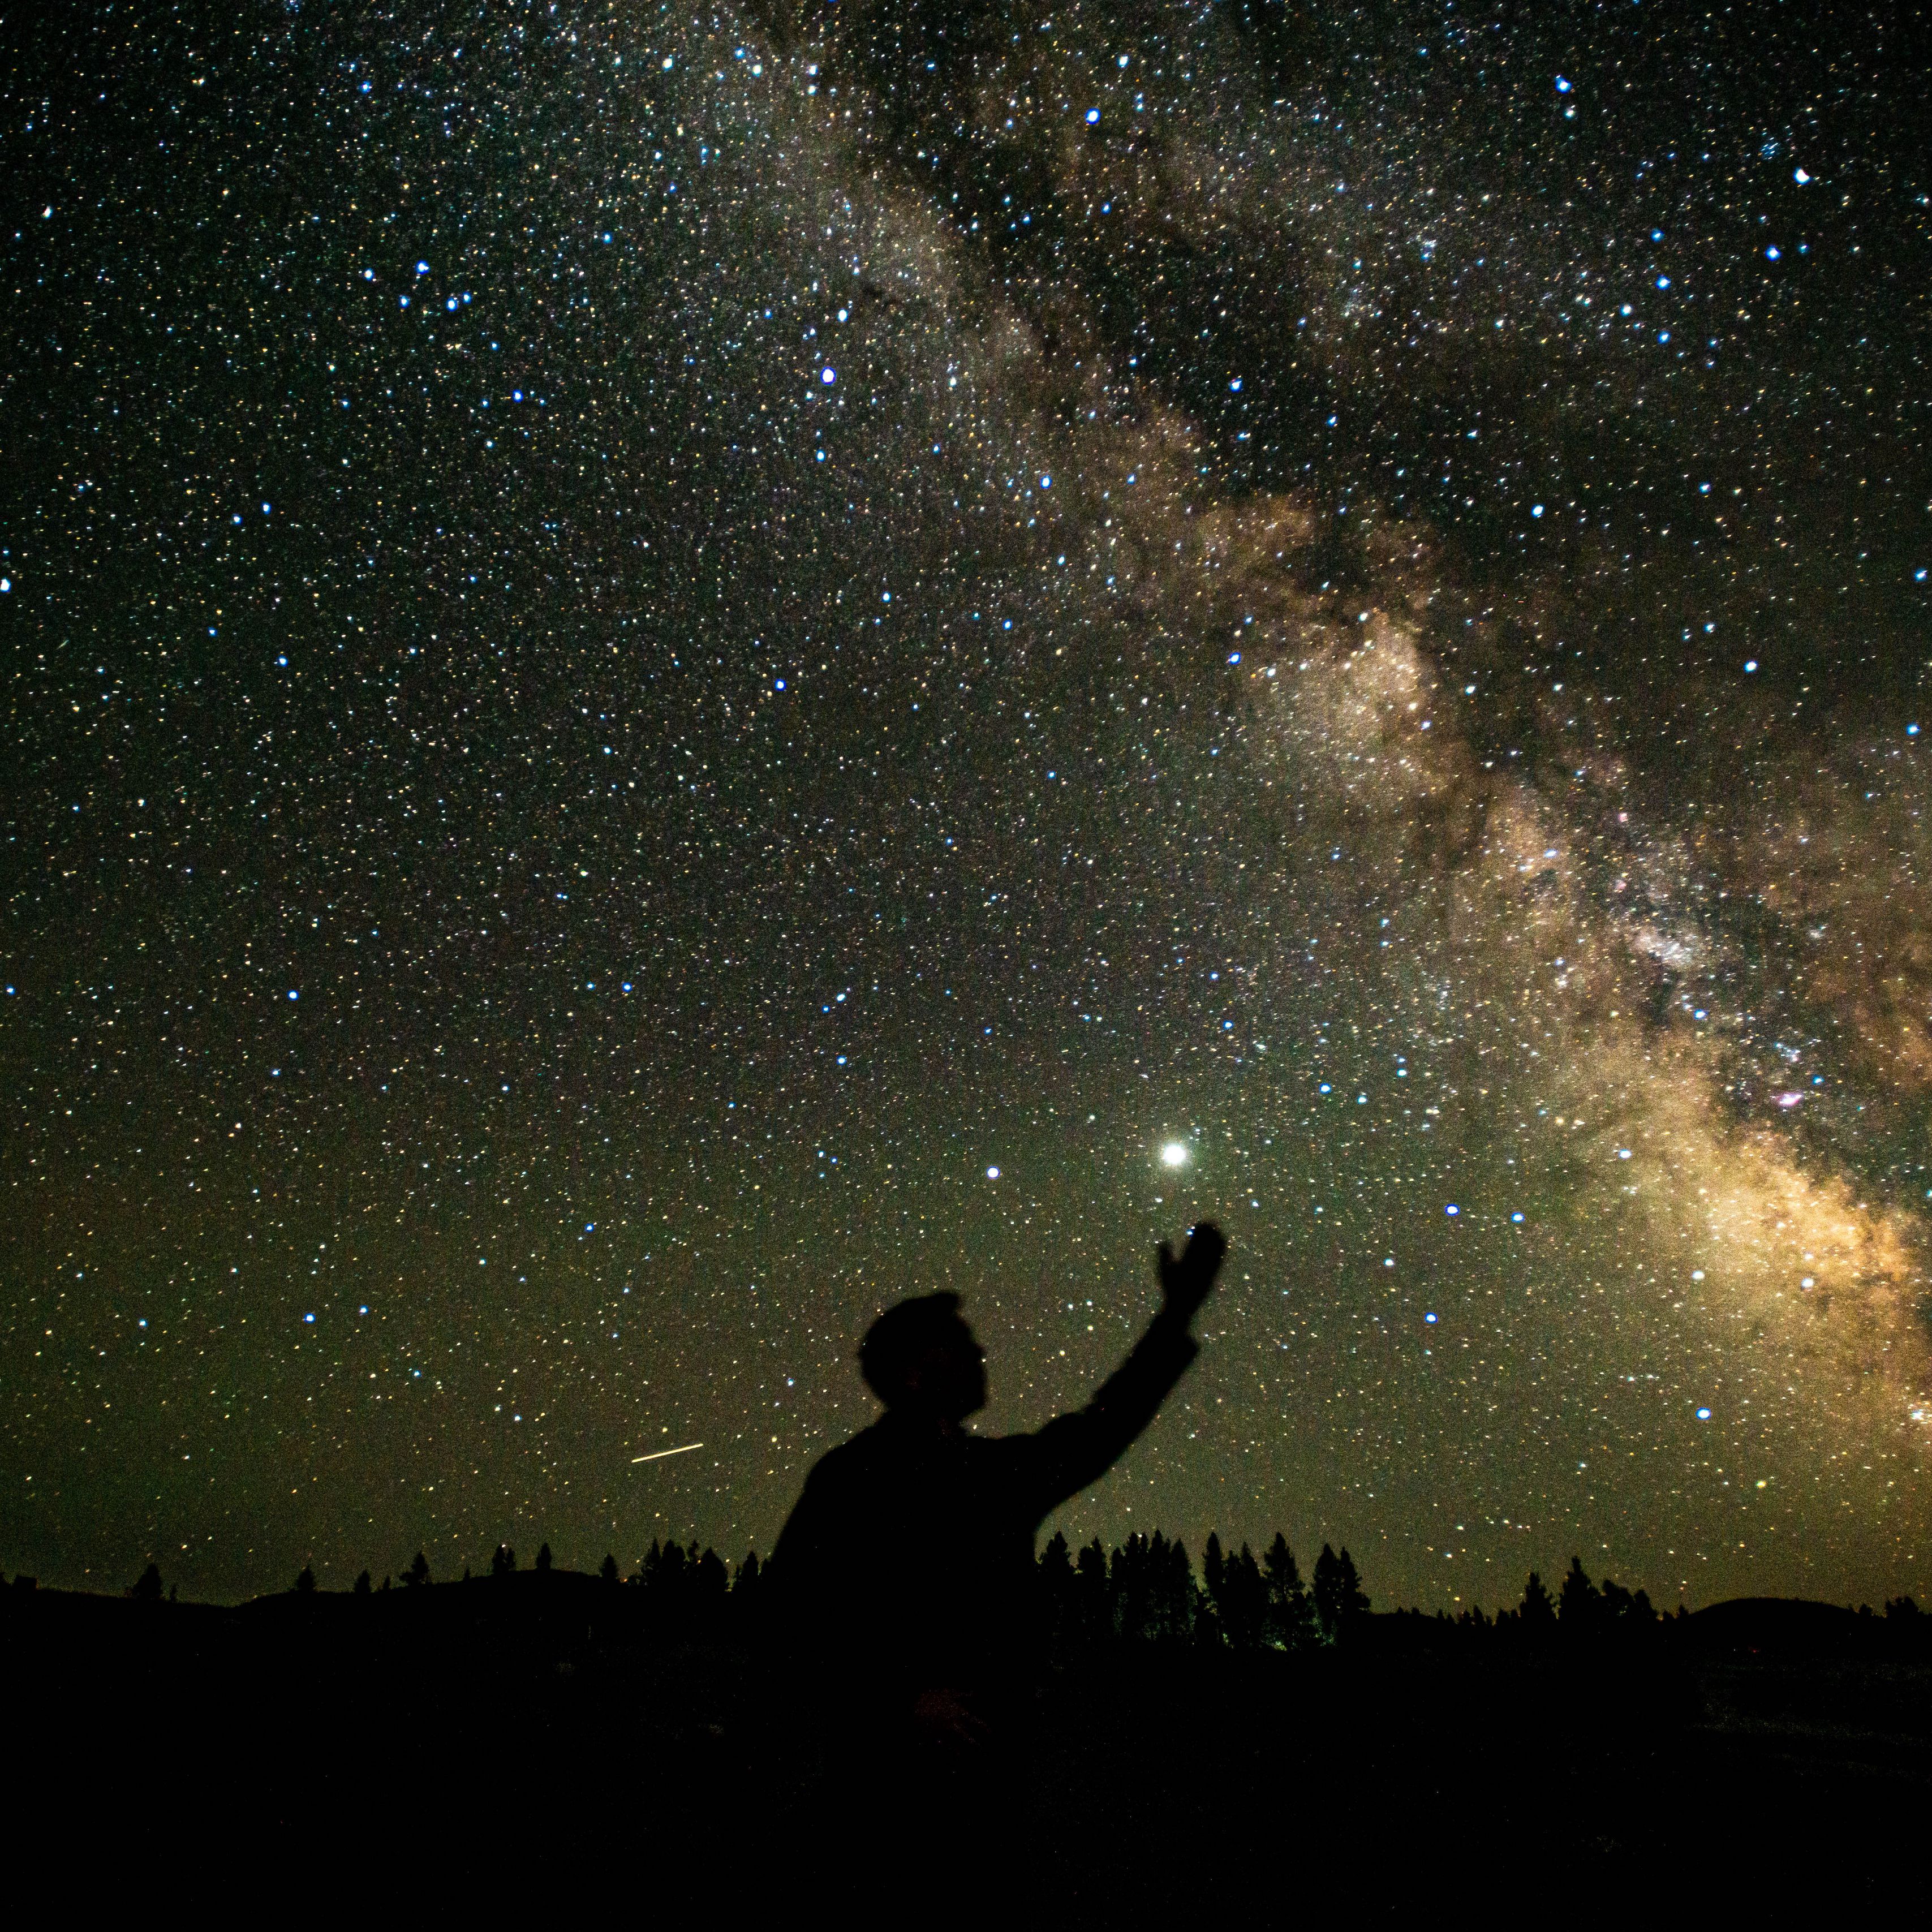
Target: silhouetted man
pixel 906 1574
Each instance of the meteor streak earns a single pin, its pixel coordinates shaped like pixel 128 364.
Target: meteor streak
pixel 656 1453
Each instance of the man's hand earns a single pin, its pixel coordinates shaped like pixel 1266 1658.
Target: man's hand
pixel 1186 1279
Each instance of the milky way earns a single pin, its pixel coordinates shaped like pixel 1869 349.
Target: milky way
pixel 671 673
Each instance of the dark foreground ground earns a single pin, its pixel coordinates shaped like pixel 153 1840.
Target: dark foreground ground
pixel 534 1744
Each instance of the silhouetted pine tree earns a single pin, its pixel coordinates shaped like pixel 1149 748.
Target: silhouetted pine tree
pixel 745 1583
pixel 1056 1560
pixel 1580 1606
pixel 1234 1585
pixel 1247 1602
pixel 709 1582
pixel 362 1583
pixel 1093 1600
pixel 146 1588
pixel 1206 1631
pixel 1339 1604
pixel 1290 1616
pixel 1353 1598
pixel 1325 1610
pixel 504 1561
pixel 1537 1614
pixel 1153 1565
pixel 1213 1571
pixel 1620 1611
pixel 1127 1586
pixel 305 1582
pixel 1176 1595
pixel 543 1560
pixel 607 1571
pixel 1153 1588
pixel 662 1569
pixel 1623 1611
pixel 1057 1606
pixel 418 1570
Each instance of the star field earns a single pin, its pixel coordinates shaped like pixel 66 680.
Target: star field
pixel 671 672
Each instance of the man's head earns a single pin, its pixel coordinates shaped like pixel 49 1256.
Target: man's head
pixel 920 1356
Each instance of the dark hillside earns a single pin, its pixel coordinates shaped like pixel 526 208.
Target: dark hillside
pixel 551 1740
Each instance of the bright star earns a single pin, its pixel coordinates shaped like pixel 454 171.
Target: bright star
pixel 1175 1154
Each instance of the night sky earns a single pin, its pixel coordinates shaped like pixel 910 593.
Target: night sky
pixel 668 673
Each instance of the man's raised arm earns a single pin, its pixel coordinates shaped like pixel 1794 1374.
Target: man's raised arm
pixel 1073 1451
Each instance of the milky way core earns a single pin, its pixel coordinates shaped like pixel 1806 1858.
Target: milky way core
pixel 671 672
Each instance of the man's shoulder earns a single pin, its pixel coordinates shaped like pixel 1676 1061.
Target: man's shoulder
pixel 840 1488
pixel 854 1457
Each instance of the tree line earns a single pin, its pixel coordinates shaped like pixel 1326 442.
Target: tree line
pixel 1145 1591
